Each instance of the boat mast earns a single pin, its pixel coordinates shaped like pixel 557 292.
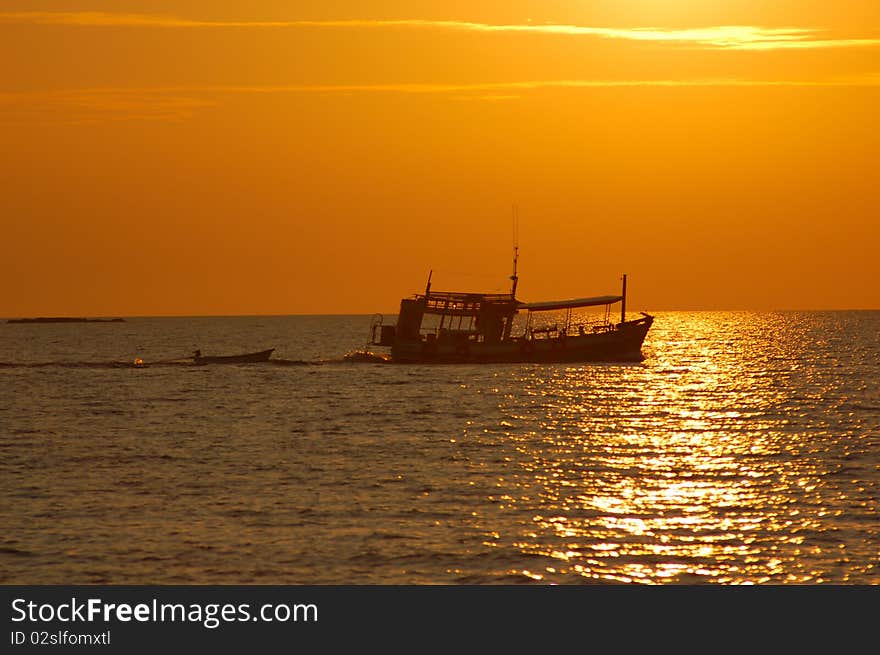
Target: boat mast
pixel 623 301
pixel 514 278
pixel 428 285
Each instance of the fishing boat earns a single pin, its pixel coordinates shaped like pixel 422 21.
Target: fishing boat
pixel 246 358
pixel 459 327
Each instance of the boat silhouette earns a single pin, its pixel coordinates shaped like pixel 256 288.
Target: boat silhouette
pixel 245 358
pixel 479 328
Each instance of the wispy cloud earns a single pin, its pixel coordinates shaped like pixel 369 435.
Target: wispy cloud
pixel 84 106
pixel 725 37
pixel 179 95
pixel 98 105
pixel 496 89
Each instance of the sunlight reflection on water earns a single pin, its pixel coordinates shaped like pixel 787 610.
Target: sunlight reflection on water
pixel 713 460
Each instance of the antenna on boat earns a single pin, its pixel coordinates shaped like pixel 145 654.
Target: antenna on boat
pixel 623 301
pixel 514 278
pixel 428 285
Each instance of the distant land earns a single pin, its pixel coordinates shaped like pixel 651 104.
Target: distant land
pixel 64 319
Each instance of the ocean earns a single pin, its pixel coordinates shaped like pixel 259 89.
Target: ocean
pixel 745 449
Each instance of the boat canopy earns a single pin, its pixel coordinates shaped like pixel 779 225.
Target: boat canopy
pixel 571 303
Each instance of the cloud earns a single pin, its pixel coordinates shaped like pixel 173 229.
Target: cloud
pixel 723 37
pixel 98 105
pixel 504 89
pixel 83 106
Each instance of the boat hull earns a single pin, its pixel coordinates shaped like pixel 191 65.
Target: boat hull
pixel 247 358
pixel 623 343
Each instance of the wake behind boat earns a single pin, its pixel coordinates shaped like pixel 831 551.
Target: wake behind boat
pixel 479 328
pixel 245 358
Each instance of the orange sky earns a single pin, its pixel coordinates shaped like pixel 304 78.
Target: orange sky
pixel 275 157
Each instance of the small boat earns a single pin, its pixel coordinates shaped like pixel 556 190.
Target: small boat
pixel 474 328
pixel 246 358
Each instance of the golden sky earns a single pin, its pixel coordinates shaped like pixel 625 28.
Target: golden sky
pixel 274 157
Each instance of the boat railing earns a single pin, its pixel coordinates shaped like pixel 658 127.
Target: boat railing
pixel 444 333
pixel 376 325
pixel 545 332
pixel 593 327
pixel 553 331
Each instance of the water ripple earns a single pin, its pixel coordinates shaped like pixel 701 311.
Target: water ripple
pixel 744 450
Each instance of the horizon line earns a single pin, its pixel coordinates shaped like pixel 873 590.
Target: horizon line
pixel 4 319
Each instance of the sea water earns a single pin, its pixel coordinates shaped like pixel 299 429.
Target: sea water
pixel 744 449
